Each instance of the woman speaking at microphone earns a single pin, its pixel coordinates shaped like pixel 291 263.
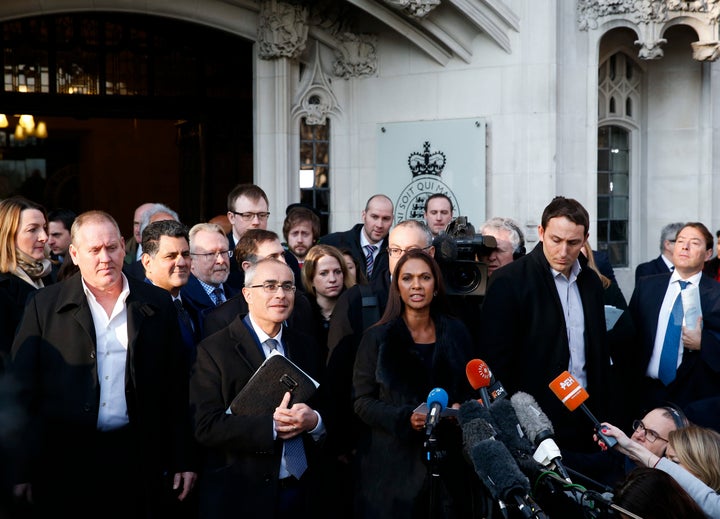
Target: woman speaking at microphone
pixel 414 348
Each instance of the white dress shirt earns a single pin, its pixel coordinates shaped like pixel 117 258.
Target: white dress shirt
pixel 111 334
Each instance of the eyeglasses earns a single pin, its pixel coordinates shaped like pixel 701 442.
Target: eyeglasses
pixel 247 217
pixel 211 256
pixel 271 287
pixel 650 435
pixel 396 252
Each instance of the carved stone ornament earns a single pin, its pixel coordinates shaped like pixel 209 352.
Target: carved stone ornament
pixel 651 18
pixel 315 99
pixel 416 8
pixel 356 56
pixel 282 30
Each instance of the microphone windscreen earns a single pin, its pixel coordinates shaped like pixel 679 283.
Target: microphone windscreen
pixel 532 419
pixel 471 410
pixel 569 390
pixel 509 430
pixel 437 396
pixel 476 431
pixel 478 373
pixel 498 471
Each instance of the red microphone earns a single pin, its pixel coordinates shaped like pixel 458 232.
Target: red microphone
pixel 479 376
pixel 573 395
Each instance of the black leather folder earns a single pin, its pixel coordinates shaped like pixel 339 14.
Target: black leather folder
pixel 266 388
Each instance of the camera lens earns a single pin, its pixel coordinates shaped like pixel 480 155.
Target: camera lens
pixel 463 278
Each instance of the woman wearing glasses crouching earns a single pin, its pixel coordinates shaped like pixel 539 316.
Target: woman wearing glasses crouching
pixel 693 453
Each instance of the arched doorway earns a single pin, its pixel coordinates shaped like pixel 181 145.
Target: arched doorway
pixel 138 108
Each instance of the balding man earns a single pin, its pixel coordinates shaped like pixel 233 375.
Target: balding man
pixel 367 241
pixel 133 249
pixel 261 465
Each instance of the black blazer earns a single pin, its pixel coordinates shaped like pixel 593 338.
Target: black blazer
pixel 14 294
pixel 351 240
pixel 243 459
pixel 54 362
pixel 698 376
pixel 650 268
pixel 236 279
pixel 524 340
pixel 389 382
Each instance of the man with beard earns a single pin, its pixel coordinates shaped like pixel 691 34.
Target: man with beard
pixel 206 287
pixel 301 230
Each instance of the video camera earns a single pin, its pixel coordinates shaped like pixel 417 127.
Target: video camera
pixel 457 251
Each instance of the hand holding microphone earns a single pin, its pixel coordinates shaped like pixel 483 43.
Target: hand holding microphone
pixel 573 395
pixel 437 401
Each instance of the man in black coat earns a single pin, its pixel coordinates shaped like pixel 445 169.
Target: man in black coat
pixel 694 381
pixel 103 383
pixel 544 314
pixel 368 239
pixel 663 263
pixel 248 468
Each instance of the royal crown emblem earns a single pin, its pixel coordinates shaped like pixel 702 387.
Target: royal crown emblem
pixel 426 163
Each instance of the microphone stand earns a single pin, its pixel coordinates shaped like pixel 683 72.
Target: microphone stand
pixel 432 458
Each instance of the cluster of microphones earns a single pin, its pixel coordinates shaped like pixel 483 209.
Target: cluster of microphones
pixel 509 441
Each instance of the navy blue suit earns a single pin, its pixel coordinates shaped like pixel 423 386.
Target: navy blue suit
pixel 698 377
pixel 194 296
pixel 650 268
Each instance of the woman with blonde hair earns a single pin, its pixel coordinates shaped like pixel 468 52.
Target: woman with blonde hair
pixel 697 450
pixel 24 266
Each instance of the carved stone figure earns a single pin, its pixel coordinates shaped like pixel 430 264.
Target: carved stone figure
pixel 356 56
pixel 282 30
pixel 417 8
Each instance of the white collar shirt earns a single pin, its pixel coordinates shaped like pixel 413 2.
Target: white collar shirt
pixel 111 333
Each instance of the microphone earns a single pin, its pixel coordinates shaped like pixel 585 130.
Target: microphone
pixel 539 430
pixel 573 395
pixel 479 376
pixel 437 401
pixel 500 474
pixel 511 434
pixel 496 388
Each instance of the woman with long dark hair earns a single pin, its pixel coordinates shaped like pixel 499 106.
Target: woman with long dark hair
pixel 415 347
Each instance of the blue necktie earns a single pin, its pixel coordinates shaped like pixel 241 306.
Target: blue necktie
pixel 295 460
pixel 369 259
pixel 671 344
pixel 218 295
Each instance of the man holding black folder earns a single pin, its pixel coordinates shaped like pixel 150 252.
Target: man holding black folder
pixel 259 464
